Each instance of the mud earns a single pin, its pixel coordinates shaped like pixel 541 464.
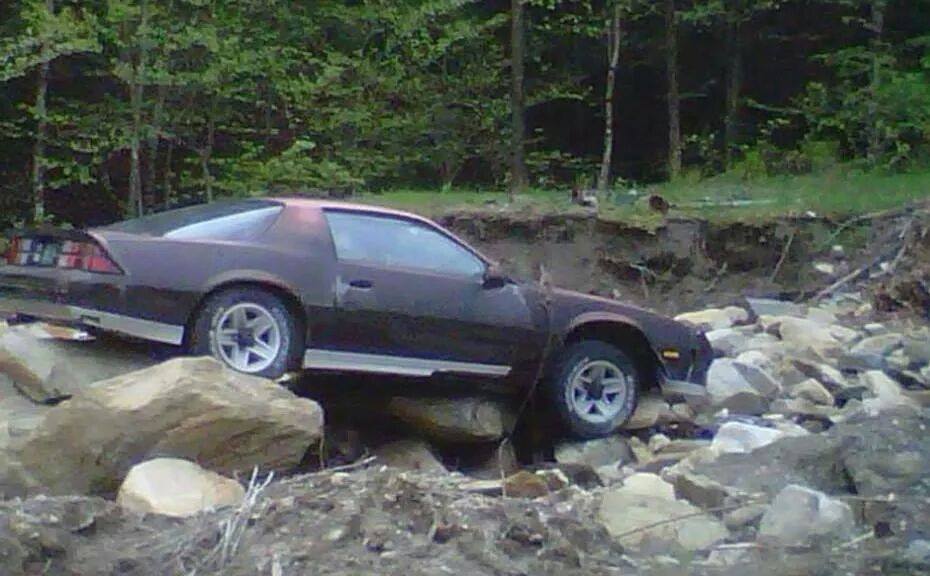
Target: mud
pixel 683 264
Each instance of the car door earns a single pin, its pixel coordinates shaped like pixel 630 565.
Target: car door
pixel 411 300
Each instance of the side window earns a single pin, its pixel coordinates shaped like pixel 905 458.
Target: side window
pixel 395 242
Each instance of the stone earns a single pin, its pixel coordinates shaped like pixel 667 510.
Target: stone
pixel 409 455
pixel 917 347
pixel 760 379
pixel 808 336
pixel 462 420
pixel 802 407
pixel 715 318
pixel 887 395
pixel 645 500
pixel 814 391
pixel 800 516
pixel 190 408
pixel 825 268
pixel 880 345
pixel 741 517
pixel 844 335
pixel 45 369
pixel 820 315
pixel 658 442
pixel 700 490
pixel 610 451
pixel 526 484
pixel 178 488
pixel 740 438
pixel 760 343
pixel 758 359
pixel 827 375
pixel 684 413
pixel 641 452
pixel 724 379
pixel 726 341
pixel 769 307
pixel 875 329
pixel 650 410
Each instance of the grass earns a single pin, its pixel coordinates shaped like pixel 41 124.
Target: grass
pixel 838 193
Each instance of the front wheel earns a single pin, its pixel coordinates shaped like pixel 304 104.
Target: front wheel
pixel 249 330
pixel 594 388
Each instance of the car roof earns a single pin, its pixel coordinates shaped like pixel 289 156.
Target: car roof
pixel 326 204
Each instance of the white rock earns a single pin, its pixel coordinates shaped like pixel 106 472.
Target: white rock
pixel 759 378
pixel 740 438
pixel 179 488
pixel 645 499
pixel 725 380
pixel 715 318
pixel 800 516
pixel 611 451
pixel 825 268
pixel 726 341
pixel 770 307
pixel 880 345
pixel 809 336
pixel 875 329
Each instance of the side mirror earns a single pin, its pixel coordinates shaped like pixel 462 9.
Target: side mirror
pixel 494 278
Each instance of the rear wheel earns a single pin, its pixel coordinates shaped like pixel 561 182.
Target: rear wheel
pixel 594 388
pixel 250 330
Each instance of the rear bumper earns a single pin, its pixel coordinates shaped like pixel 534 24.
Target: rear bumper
pixel 60 312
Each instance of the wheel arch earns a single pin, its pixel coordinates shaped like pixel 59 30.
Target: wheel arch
pixel 623 333
pixel 266 283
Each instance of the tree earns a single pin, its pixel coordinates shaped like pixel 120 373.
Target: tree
pixel 518 175
pixel 673 98
pixel 613 32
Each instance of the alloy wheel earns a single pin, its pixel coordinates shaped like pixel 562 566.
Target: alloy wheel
pixel 248 337
pixel 597 390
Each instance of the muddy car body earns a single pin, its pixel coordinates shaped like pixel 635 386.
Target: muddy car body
pixel 274 285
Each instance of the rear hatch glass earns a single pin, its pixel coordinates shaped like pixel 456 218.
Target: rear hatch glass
pixel 232 220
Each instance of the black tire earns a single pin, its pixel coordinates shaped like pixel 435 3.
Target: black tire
pixel 561 392
pixel 203 341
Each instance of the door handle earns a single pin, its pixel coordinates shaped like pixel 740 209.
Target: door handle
pixel 361 284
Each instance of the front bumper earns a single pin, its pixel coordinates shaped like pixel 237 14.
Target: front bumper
pixel 67 313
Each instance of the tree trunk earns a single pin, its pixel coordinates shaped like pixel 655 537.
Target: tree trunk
pixel 734 86
pixel 41 114
pixel 153 144
pixel 674 97
pixel 877 27
pixel 613 55
pixel 169 174
pixel 136 95
pixel 205 154
pixel 518 175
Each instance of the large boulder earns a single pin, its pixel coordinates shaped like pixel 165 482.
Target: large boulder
pixel 800 516
pixel 45 369
pixel 460 420
pixel 178 488
pixel 635 514
pixel 191 408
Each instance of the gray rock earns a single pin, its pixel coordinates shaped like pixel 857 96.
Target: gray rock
pixel 645 500
pixel 466 420
pixel 610 451
pixel 726 341
pixel 726 384
pixel 46 369
pixel 800 516
pixel 760 380
pixel 409 455
pixel 880 345
pixel 917 347
pixel 917 552
pixel 827 375
pixel 700 490
pixel 809 337
pixel 887 395
pixel 814 391
pixel 875 329
pixel 768 307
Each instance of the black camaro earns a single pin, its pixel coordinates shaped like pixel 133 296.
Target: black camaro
pixel 274 285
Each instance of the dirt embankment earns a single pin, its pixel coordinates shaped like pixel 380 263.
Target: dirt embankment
pixel 684 264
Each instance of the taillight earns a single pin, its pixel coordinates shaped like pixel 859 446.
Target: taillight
pixel 86 256
pixel 12 250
